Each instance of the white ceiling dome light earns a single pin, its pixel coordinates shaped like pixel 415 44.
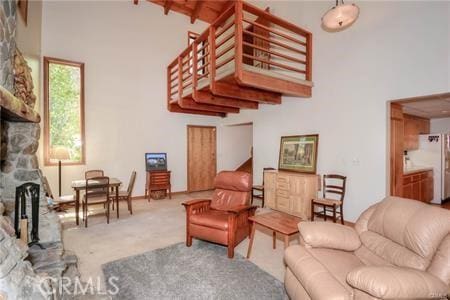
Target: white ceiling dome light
pixel 340 16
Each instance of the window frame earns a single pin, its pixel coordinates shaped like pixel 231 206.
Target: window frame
pixel 80 65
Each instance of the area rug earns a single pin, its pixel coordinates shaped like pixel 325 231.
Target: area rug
pixel 202 271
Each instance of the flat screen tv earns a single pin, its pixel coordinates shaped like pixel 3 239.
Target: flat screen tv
pixel 156 161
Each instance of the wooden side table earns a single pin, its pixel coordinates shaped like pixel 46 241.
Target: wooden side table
pixel 157 181
pixel 277 222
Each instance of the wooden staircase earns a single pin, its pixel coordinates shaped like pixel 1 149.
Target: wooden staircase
pixel 247 57
pixel 247 166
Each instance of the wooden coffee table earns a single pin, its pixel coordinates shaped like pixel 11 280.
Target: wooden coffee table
pixel 277 222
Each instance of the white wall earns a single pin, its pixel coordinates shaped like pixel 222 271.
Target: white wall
pixel 28 37
pixel 394 50
pixel 126 49
pixel 440 125
pixel 233 146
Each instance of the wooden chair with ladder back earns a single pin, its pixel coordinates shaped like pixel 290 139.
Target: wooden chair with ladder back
pixel 93 173
pixel 125 195
pixel 258 190
pixel 97 192
pixel 89 174
pixel 331 207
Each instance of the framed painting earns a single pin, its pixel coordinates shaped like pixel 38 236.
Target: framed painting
pixel 299 153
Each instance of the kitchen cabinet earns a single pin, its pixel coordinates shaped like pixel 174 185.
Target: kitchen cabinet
pixel 418 186
pixel 413 126
pixel 396 149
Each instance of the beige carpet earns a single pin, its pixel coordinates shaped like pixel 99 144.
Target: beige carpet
pixel 153 225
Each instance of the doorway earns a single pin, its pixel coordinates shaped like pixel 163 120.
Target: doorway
pixel 201 157
pixel 235 145
pixel 420 148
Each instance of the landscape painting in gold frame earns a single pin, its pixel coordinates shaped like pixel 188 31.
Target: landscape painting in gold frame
pixel 299 153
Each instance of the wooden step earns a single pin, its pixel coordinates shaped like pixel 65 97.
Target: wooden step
pixel 206 97
pixel 189 103
pixel 227 88
pixel 174 107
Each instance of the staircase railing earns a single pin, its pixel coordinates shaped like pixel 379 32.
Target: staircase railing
pixel 250 41
pixel 277 45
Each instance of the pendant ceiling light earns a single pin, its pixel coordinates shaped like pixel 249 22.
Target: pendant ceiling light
pixel 340 16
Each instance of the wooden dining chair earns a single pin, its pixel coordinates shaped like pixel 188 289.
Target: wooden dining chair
pixel 331 207
pixel 125 195
pixel 258 190
pixel 93 173
pixel 94 198
pixel 89 174
pixel 59 202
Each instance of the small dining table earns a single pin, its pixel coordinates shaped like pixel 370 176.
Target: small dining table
pixel 79 185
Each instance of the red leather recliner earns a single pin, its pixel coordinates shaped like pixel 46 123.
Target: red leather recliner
pixel 224 218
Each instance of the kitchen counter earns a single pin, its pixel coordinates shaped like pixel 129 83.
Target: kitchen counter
pixel 416 169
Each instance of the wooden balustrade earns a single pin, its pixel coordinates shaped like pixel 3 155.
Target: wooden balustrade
pixel 270 55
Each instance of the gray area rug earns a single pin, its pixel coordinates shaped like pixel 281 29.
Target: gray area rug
pixel 202 271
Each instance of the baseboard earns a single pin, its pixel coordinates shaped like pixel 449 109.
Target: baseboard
pixel 445 201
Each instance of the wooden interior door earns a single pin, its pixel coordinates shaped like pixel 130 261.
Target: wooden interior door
pixel 201 151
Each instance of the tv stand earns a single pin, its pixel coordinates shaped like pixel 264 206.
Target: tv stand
pixel 157 184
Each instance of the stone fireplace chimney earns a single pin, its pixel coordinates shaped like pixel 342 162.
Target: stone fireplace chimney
pixel 35 272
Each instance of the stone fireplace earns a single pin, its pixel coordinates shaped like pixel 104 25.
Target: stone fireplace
pixel 33 272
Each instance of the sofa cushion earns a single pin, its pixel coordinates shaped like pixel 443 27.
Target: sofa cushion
pixel 211 218
pixel 440 265
pixel 412 224
pixel 392 252
pixel 397 283
pixel 322 272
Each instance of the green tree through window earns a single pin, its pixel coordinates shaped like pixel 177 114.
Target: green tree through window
pixel 64 102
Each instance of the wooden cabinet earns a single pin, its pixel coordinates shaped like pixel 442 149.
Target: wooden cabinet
pixel 418 186
pixel 290 192
pixel 413 126
pixel 157 184
pixel 396 149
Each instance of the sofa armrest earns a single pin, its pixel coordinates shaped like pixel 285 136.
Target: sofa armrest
pixel 397 283
pixel 329 235
pixel 241 208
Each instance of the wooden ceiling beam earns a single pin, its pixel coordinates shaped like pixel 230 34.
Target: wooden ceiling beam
pixel 196 10
pixel 167 6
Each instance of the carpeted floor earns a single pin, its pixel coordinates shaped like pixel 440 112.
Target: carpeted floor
pixel 153 225
pixel 180 272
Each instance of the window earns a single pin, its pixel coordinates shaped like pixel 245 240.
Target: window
pixel 63 112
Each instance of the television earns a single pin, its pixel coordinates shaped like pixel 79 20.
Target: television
pixel 156 161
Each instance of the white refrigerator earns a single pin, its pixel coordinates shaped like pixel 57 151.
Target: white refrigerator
pixel 434 152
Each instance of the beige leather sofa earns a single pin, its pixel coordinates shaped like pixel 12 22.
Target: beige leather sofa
pixel 399 249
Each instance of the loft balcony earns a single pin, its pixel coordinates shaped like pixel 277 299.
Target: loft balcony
pixel 245 58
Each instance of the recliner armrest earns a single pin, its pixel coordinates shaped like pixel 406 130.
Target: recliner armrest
pixel 329 235
pixel 196 206
pixel 241 208
pixel 397 283
pixel 196 201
